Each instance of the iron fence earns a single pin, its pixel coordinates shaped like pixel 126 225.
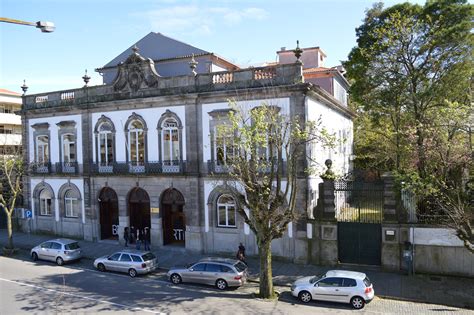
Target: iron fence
pixel 359 201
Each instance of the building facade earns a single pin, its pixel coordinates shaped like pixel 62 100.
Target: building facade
pixel 142 151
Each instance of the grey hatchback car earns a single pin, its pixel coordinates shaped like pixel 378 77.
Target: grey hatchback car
pixel 60 250
pixel 221 272
pixel 131 261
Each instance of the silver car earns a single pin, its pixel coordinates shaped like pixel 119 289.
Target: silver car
pixel 60 250
pixel 131 261
pixel 221 272
pixel 335 286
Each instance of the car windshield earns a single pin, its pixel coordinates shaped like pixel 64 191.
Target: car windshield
pixel 367 282
pixel 148 256
pixel 240 266
pixel 189 265
pixel 72 246
pixel 316 278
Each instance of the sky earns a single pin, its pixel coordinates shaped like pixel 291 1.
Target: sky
pixel 90 33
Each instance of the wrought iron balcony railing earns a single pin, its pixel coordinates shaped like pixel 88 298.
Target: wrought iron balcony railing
pixel 152 167
pixel 67 168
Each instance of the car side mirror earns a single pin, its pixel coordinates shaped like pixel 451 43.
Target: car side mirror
pixel 191 269
pixel 316 284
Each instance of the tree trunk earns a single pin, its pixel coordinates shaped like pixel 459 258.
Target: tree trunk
pixel 10 230
pixel 266 277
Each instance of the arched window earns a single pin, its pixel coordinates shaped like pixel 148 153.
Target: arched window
pixel 136 142
pixel 45 201
pixel 71 204
pixel 105 141
pixel 226 213
pixel 170 142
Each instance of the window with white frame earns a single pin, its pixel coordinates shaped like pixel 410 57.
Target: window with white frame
pixel 45 200
pixel 71 204
pixel 224 148
pixel 42 149
pixel 69 148
pixel 106 144
pixel 226 213
pixel 136 142
pixel 170 142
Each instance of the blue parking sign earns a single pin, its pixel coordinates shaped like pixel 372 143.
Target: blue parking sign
pixel 28 214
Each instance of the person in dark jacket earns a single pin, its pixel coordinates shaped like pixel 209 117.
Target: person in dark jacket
pixel 126 236
pixel 146 238
pixel 133 235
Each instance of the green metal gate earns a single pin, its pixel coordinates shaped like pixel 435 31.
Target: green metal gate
pixel 359 212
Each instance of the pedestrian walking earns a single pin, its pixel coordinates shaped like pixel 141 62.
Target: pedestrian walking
pixel 146 238
pixel 241 253
pixel 133 235
pixel 126 235
pixel 139 239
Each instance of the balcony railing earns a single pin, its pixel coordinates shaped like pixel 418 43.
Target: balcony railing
pixel 152 167
pixel 40 168
pixel 66 168
pixel 215 167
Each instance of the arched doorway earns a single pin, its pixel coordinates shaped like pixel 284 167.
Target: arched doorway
pixel 108 207
pixel 173 219
pixel 139 206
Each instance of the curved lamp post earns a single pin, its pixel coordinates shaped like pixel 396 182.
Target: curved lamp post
pixel 45 27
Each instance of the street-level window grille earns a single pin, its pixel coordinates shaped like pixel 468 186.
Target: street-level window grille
pixel 226 213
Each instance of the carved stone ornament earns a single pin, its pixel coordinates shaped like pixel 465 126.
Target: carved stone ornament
pixel 135 73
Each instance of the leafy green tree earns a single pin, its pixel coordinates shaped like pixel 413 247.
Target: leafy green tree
pixel 409 60
pixel 411 76
pixel 264 167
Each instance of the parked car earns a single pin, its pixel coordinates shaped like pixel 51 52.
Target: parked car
pixel 221 272
pixel 60 250
pixel 131 261
pixel 335 286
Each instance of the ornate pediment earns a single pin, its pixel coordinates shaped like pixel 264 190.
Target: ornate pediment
pixel 136 73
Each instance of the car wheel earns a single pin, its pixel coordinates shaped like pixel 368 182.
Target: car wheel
pixel 132 272
pixel 101 267
pixel 221 284
pixel 59 261
pixel 34 256
pixel 305 296
pixel 175 278
pixel 357 302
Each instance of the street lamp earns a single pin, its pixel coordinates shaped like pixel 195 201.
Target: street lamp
pixel 45 27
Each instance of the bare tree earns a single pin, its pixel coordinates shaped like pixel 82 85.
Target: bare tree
pixel 11 169
pixel 265 157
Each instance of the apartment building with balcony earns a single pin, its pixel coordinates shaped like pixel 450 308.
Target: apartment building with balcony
pixel 10 123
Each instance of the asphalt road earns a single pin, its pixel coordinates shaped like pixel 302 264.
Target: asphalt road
pixel 44 288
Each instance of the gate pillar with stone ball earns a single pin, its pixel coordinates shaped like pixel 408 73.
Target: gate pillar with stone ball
pixel 325 246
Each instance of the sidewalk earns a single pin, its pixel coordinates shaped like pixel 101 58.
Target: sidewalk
pixel 452 291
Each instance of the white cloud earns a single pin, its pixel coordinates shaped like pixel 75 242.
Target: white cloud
pixel 193 19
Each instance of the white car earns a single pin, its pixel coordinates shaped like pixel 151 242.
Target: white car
pixel 60 250
pixel 335 286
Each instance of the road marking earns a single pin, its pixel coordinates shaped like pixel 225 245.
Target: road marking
pixel 82 297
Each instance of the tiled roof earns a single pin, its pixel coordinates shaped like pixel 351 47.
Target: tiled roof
pixel 3 91
pixel 318 69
